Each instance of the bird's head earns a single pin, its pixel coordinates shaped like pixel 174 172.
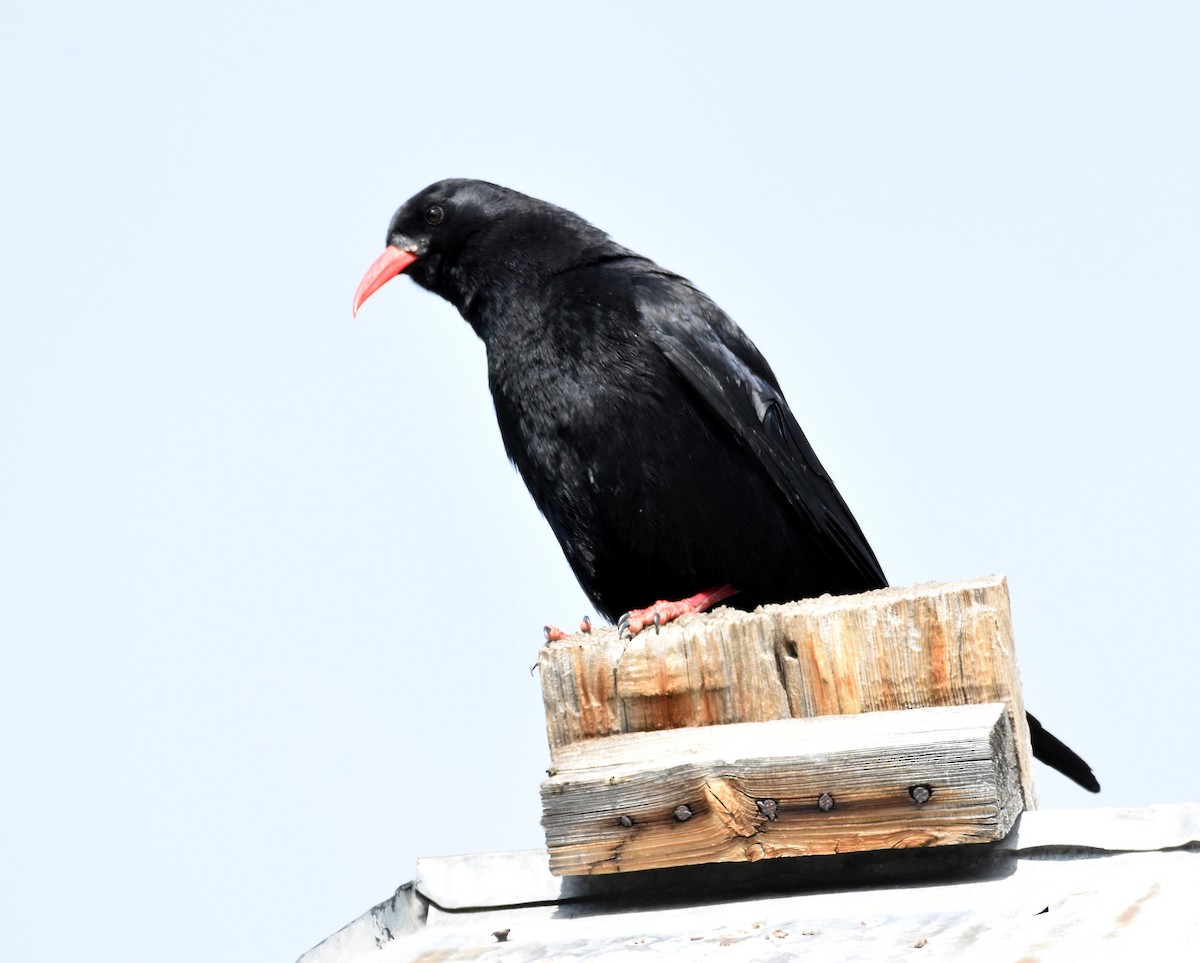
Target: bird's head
pixel 457 236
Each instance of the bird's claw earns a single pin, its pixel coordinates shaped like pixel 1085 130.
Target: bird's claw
pixel 632 622
pixel 663 611
pixel 623 627
pixel 554 634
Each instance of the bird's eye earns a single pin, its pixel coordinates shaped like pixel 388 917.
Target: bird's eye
pixel 434 214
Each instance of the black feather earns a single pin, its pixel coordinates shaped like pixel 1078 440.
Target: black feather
pixel 650 431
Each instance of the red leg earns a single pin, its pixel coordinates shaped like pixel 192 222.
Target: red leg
pixel 633 622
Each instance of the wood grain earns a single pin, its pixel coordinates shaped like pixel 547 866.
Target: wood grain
pixel 750 791
pixel 900 648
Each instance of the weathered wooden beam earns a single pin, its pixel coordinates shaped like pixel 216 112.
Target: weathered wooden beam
pixel 927 645
pixel 748 791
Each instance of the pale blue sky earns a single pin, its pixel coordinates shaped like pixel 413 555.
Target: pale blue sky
pixel 269 590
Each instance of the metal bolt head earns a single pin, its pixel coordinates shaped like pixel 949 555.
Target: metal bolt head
pixel 920 794
pixel 683 813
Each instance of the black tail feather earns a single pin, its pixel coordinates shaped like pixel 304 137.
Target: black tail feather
pixel 1058 755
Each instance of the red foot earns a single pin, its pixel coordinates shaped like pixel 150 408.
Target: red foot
pixel 633 622
pixel 554 634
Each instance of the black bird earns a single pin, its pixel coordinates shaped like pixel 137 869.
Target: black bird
pixel 650 431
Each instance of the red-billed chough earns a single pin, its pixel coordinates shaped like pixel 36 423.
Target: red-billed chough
pixel 648 428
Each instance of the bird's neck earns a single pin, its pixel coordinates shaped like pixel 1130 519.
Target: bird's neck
pixel 502 297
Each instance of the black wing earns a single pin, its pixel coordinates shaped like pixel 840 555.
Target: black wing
pixel 728 372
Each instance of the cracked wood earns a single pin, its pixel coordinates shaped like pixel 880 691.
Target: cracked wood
pixel 899 648
pixel 611 805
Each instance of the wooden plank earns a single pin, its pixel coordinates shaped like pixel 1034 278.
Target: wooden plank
pixel 926 645
pixel 794 787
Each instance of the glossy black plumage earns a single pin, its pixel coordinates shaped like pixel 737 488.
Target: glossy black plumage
pixel 650 431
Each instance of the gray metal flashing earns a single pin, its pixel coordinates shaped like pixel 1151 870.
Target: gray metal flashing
pixel 1106 882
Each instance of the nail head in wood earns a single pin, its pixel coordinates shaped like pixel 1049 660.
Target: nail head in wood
pixel 824 802
pixel 768 807
pixel 858 654
pixel 682 813
pixel 920 794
